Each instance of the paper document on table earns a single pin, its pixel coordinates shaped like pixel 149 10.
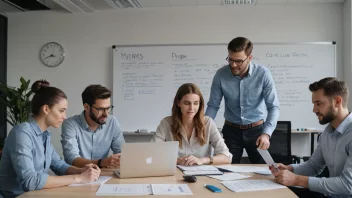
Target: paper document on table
pixel 229 176
pixel 124 189
pixel 201 173
pixel 242 169
pixel 197 168
pixel 171 189
pixel 251 185
pixel 101 180
pixel 267 157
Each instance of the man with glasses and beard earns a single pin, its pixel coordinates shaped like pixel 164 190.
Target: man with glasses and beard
pixel 334 151
pixel 251 102
pixel 88 137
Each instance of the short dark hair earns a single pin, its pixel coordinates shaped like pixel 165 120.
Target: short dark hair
pixel 240 44
pixel 332 87
pixel 44 95
pixel 95 92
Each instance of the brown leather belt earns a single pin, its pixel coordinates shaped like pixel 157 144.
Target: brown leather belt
pixel 247 126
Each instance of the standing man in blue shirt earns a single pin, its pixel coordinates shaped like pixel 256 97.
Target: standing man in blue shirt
pixel 250 94
pixel 88 137
pixel 330 98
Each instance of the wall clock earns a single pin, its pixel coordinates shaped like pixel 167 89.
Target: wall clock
pixel 52 54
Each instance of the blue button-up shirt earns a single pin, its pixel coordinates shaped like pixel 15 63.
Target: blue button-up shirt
pixel 26 159
pixel 78 140
pixel 334 151
pixel 248 99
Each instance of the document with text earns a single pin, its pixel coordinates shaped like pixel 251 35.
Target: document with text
pixel 251 185
pixel 201 173
pixel 229 176
pixel 242 169
pixel 124 189
pixel 197 168
pixel 143 189
pixel 171 189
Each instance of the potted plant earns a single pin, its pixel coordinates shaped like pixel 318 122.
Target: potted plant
pixel 17 101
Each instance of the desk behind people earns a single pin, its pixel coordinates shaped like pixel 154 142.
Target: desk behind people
pixel 312 139
pixel 197 188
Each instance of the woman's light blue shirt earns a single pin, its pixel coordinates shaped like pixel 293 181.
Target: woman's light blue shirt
pixel 27 156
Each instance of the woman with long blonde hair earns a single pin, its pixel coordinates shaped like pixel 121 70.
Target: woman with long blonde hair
pixel 195 132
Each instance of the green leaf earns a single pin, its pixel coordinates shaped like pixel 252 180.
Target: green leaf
pixel 23 81
pixel 17 101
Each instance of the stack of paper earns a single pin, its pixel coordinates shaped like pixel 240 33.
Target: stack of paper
pixel 251 185
pixel 229 176
pixel 143 189
pixel 242 169
pixel 202 173
pixel 200 170
pixel 197 168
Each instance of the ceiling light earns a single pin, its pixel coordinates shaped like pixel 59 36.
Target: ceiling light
pixel 75 5
pixel 124 3
pixel 239 2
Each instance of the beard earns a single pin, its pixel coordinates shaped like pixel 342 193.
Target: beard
pixel 96 119
pixel 329 117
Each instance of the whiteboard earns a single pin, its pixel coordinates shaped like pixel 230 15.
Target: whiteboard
pixel 146 78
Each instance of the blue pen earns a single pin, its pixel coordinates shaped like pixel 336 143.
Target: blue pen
pixel 213 188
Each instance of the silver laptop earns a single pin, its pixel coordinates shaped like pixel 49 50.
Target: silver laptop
pixel 148 159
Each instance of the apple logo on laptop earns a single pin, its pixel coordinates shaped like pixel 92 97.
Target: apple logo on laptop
pixel 149 160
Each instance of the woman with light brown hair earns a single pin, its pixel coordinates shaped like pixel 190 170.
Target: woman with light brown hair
pixel 195 132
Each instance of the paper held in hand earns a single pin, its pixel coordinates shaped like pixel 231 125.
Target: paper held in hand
pixel 267 158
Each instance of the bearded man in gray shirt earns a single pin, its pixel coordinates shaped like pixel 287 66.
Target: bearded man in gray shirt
pixel 334 150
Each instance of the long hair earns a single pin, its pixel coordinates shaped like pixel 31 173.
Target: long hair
pixel 198 120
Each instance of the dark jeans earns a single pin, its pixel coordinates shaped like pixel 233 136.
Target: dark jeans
pixel 237 139
pixel 306 193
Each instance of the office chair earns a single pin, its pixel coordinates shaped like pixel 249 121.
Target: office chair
pixel 280 144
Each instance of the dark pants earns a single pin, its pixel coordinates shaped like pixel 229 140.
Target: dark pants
pixel 306 193
pixel 237 139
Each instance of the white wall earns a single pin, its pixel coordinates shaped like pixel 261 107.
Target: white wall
pixel 347 54
pixel 88 38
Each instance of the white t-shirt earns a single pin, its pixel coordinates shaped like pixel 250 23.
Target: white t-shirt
pixel 192 147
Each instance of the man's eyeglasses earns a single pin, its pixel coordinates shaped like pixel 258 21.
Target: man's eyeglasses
pixel 237 62
pixel 102 110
